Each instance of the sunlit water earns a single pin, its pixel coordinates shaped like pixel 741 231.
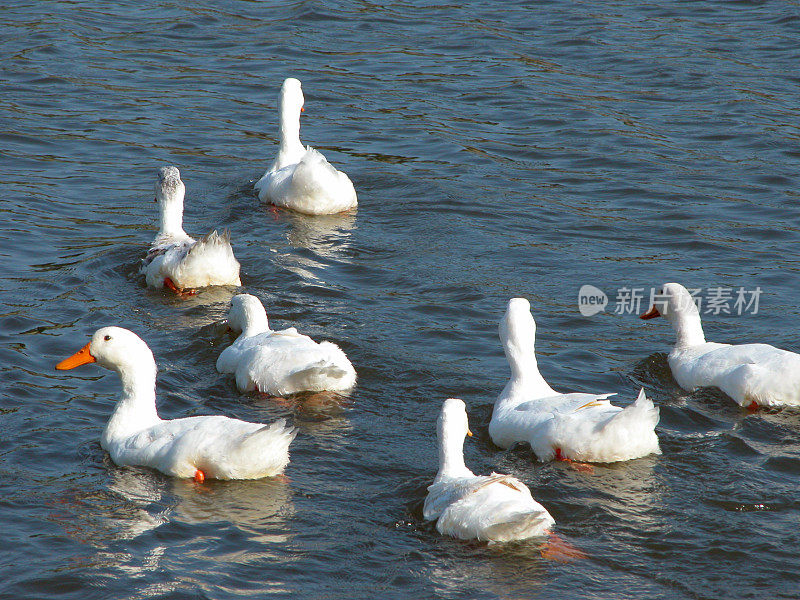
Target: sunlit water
pixel 498 150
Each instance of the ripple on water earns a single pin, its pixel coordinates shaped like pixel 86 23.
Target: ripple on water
pixel 522 152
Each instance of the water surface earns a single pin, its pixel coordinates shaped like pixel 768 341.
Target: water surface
pixel 498 150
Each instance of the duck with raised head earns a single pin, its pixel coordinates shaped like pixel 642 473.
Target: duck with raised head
pixel 177 261
pixel 301 178
pixel 575 426
pixel 492 508
pixel 202 447
pixel 752 374
pixel 280 362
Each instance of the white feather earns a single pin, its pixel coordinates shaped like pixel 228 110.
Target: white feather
pixel 175 255
pixel 748 373
pixel 220 447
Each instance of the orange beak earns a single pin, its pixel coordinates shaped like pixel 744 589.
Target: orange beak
pixel 81 357
pixel 469 433
pixel 650 314
pixel 302 109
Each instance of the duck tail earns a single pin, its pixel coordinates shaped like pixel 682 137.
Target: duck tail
pixel 518 526
pixel 213 255
pixel 314 175
pixel 271 444
pixel 316 178
pixel 634 426
pixel 213 239
pixel 323 375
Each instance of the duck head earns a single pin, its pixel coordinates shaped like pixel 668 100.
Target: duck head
pixel 453 419
pixel 114 348
pixel 247 315
pixel 292 98
pixel 170 191
pixel 676 305
pixel 518 334
pixel 517 325
pixel 290 106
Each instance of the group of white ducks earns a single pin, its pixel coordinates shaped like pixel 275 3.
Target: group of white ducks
pixel 574 427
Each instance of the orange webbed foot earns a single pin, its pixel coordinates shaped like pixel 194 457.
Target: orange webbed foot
pixel 199 476
pixel 577 466
pixel 183 293
pixel 558 549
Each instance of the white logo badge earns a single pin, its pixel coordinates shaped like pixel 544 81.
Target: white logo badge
pixel 591 300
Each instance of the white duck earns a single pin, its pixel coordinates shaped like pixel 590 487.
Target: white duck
pixel 201 447
pixel 493 508
pixel 577 426
pixel 752 374
pixel 177 261
pixel 280 362
pixel 301 178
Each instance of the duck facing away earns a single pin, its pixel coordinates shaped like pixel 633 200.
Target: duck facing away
pixel 493 508
pixel 177 261
pixel 301 178
pixel 202 447
pixel 577 426
pixel 280 362
pixel 752 374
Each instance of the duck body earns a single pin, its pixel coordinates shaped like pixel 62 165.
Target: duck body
pixel 192 263
pixel 581 427
pixel 493 508
pixel 751 374
pixel 578 426
pixel 187 263
pixel 301 178
pixel 220 447
pixel 280 362
pixel 217 446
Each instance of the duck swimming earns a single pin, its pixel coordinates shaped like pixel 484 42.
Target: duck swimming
pixel 752 374
pixel 177 261
pixel 575 426
pixel 202 447
pixel 493 508
pixel 280 362
pixel 301 178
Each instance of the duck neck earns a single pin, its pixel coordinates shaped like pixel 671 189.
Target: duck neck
pixel 688 328
pixel 526 381
pixel 451 456
pixel 256 323
pixel 171 219
pixel 290 148
pixel 136 408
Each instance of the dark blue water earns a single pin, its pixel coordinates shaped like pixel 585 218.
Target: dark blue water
pixel 498 150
